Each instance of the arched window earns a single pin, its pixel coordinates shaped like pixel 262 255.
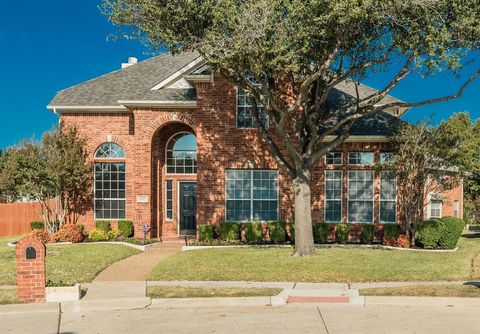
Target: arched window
pixel 109 186
pixel 109 150
pixel 182 154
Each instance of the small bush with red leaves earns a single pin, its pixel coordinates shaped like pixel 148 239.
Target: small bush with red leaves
pixel 389 241
pixel 403 241
pixel 42 235
pixel 69 233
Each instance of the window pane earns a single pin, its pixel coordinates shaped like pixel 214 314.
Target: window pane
pixel 360 158
pixel 182 154
pixel 244 110
pixel 169 199
pixel 109 195
pixel 109 150
pixel 333 158
pixel 360 196
pixel 333 196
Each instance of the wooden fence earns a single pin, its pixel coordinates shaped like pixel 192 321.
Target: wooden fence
pixel 15 218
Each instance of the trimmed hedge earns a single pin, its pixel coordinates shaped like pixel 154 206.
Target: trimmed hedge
pixel 253 232
pixel 320 233
pixel 391 231
pixel 229 231
pixel 429 233
pixel 277 231
pixel 368 233
pixel 206 232
pixel 452 231
pixel 126 228
pixel 102 225
pixel 341 234
pixel 37 225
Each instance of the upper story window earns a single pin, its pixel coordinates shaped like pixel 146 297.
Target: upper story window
pixel 245 118
pixel 334 158
pixel 386 157
pixel 360 158
pixel 182 154
pixel 109 183
pixel 109 151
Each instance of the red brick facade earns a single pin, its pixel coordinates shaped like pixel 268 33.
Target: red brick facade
pixel 143 134
pixel 30 271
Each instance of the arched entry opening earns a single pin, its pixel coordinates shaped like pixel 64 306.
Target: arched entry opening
pixel 174 181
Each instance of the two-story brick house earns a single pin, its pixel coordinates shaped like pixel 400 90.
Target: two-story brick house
pixel 174 145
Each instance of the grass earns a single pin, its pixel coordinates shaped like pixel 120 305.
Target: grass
pixel 425 291
pixel 205 292
pixel 328 265
pixel 8 296
pixel 66 264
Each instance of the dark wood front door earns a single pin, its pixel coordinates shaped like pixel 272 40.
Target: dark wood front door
pixel 188 208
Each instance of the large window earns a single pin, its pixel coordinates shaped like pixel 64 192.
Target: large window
pixel 360 196
pixel 182 154
pixel 109 190
pixel 388 197
pixel 435 207
pixel 245 118
pixel 251 195
pixel 360 158
pixel 333 196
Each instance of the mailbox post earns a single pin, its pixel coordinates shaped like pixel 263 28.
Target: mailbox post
pixel 30 256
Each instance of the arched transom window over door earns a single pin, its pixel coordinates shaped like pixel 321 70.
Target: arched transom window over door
pixel 182 154
pixel 109 182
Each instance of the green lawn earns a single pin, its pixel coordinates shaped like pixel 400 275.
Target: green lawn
pixel 329 265
pixel 8 296
pixel 66 264
pixel 425 291
pixel 205 292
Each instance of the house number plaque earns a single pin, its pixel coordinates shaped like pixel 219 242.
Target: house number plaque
pixel 142 198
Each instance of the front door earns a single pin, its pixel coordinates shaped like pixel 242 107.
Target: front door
pixel 188 208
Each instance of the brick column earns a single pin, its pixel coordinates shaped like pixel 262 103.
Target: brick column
pixel 30 255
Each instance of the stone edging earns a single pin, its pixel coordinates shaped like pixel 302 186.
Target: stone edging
pixel 142 248
pixel 189 248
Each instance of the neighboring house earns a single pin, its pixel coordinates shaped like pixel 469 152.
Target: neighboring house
pixel 174 146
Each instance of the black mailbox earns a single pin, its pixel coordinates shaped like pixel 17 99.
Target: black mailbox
pixel 31 253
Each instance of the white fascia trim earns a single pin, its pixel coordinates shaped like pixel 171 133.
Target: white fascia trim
pixel 199 78
pixel 194 64
pixel 86 108
pixel 158 103
pixel 358 139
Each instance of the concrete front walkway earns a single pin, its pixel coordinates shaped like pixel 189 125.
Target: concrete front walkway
pixel 137 267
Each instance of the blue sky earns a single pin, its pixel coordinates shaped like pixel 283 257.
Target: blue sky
pixel 49 45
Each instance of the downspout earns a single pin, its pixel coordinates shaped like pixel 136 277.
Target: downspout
pixel 54 110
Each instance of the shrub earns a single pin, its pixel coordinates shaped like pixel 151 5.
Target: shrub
pixel 253 232
pixel 429 233
pixel 320 233
pixel 102 225
pixel 114 234
pixel 206 232
pixel 229 231
pixel 69 233
pixel 389 241
pixel 452 231
pixel 98 235
pixel 126 228
pixel 368 233
pixel 341 234
pixel 402 241
pixel 37 225
pixel 277 231
pixel 42 235
pixel 391 231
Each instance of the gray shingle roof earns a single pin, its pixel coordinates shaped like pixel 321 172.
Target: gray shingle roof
pixel 131 83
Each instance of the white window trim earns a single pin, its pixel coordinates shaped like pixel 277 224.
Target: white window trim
pixel 457 214
pixel 325 196
pixel 102 161
pixel 341 158
pixel 429 208
pixel 251 191
pixel 236 115
pixel 348 196
pixel 165 202
pixel 166 155
pixel 387 200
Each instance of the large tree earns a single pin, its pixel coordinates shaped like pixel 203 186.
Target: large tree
pixel 297 51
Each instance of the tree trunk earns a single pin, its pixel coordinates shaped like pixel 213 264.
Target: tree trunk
pixel 304 245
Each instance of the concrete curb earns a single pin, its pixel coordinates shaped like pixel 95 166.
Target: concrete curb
pixel 461 302
pixel 210 302
pixel 29 308
pixel 106 304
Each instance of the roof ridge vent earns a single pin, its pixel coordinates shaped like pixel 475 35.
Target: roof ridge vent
pixel 131 61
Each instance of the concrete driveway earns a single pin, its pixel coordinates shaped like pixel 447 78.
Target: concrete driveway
pixel 291 318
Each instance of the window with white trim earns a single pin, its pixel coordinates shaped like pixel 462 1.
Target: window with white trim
pixel 169 199
pixel 435 207
pixel 333 196
pixel 182 154
pixel 334 158
pixel 245 119
pixel 360 196
pixel 360 158
pixel 386 157
pixel 388 197
pixel 456 207
pixel 251 195
pixel 109 151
